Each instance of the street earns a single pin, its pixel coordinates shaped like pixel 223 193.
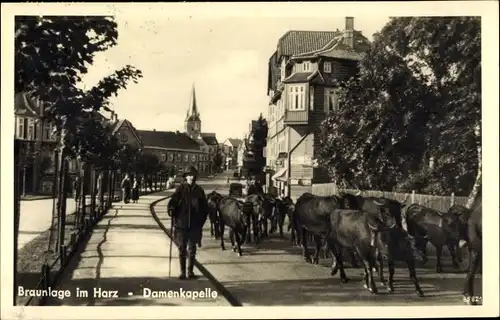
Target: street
pixel 276 268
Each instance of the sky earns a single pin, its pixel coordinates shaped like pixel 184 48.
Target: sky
pixel 224 57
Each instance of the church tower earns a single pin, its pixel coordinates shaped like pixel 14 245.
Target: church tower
pixel 192 124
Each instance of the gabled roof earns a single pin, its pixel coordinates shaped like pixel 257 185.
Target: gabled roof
pixel 234 142
pixel 168 140
pixel 336 48
pixel 125 122
pixel 209 138
pixel 294 42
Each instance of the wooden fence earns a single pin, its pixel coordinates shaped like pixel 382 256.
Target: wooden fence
pixel 435 202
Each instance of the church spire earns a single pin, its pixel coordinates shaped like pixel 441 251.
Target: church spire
pixel 193 107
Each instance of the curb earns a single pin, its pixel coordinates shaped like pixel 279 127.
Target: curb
pixel 233 301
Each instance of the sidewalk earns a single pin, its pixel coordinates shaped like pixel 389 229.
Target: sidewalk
pixel 127 252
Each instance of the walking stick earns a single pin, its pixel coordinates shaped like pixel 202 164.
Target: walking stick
pixel 170 250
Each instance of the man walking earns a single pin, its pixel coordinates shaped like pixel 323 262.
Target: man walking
pixel 188 208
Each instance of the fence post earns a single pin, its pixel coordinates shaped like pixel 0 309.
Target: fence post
pixel 413 196
pixel 452 199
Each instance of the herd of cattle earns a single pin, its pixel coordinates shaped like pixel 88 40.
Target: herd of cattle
pixel 367 229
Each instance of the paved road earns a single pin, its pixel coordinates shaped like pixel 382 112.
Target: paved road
pixel 36 217
pixel 273 273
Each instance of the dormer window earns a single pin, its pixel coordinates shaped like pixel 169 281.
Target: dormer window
pixel 327 67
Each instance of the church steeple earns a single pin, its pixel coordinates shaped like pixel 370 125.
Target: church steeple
pixel 192 123
pixel 192 113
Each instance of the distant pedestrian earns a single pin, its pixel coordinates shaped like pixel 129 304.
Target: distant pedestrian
pixel 188 208
pixel 135 190
pixel 126 186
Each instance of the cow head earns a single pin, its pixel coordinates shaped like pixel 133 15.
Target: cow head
pixel 385 215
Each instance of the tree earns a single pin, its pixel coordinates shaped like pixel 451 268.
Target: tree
pixel 254 160
pixel 416 100
pixel 51 55
pixel 216 162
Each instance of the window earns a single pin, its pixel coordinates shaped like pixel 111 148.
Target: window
pixel 31 129
pixel 47 131
pixel 331 100
pixel 311 98
pixel 193 158
pixel 186 157
pixel 296 98
pixel 171 157
pixel 163 157
pixel 327 67
pixel 178 157
pixel 307 66
pixel 20 128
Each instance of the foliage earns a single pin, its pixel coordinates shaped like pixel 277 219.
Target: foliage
pixel 51 55
pixel 217 161
pixel 254 160
pixel 417 97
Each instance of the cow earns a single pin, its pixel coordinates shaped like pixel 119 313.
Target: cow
pixel 474 238
pixel 283 209
pixel 312 214
pixel 395 244
pixel 254 206
pixel 364 233
pixel 234 214
pixel 438 228
pixel 213 199
pixel 269 214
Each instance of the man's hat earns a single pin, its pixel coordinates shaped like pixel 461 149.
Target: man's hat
pixel 191 171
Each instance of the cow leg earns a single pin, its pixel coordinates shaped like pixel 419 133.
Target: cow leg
pixel 280 221
pixel 413 276
pixel 264 228
pixel 337 262
pixel 474 262
pixel 354 262
pixel 455 254
pixel 305 249
pixel 256 229
pixel 319 244
pixel 238 243
pixel 368 278
pixel 211 226
pixel 380 269
pixel 231 238
pixel 222 227
pixel 248 231
pixel 390 265
pixel 439 251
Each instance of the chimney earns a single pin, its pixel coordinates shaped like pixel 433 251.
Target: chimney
pixel 349 32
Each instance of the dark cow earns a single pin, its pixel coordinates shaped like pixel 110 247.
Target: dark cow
pixel 365 233
pixel 284 209
pixel 233 213
pixel 213 199
pixel 312 214
pixel 269 214
pixel 395 244
pixel 438 228
pixel 474 238
pixel 254 206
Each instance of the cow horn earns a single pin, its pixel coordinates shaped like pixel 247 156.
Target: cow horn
pixel 358 193
pixel 392 225
pixel 462 243
pixel 378 203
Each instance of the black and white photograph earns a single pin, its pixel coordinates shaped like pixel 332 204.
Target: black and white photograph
pixel 323 154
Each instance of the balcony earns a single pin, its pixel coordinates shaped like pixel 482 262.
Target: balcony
pixel 296 117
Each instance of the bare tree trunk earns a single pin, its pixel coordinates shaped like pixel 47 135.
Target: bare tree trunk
pixel 55 203
pixel 93 193
pixel 478 183
pixel 100 190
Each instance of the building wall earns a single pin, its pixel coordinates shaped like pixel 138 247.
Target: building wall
pixel 181 159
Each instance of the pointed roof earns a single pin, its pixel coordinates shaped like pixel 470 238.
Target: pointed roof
pixel 193 114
